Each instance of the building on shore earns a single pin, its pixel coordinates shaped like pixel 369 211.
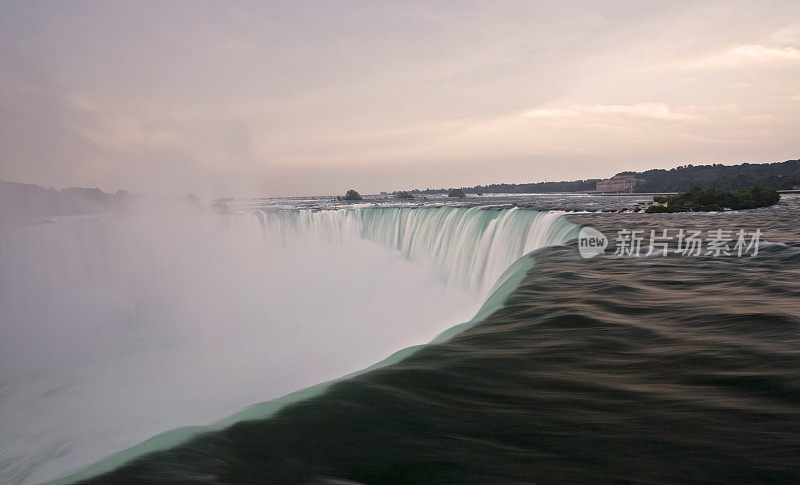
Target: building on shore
pixel 623 182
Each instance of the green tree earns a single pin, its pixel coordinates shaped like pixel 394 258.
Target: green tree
pixel 352 195
pixel 457 193
pixel 709 199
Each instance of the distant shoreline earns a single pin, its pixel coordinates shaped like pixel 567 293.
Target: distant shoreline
pixel 781 176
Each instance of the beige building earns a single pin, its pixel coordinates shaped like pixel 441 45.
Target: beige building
pixel 618 183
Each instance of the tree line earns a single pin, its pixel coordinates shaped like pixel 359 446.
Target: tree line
pixel 778 176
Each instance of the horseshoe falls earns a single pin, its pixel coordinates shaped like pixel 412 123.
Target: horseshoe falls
pixel 469 247
pixel 118 328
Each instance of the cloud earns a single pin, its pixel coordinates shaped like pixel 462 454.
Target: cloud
pixel 643 131
pixel 551 113
pixel 658 111
pixel 789 35
pixel 750 56
pixel 763 53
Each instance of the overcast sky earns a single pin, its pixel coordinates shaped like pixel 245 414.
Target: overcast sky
pixel 315 97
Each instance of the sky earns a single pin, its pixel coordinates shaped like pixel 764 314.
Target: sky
pixel 316 97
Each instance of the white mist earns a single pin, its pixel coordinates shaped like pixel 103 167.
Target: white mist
pixel 114 329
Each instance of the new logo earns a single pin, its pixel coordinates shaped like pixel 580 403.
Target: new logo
pixel 591 242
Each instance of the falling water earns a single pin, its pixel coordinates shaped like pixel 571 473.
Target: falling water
pixel 116 328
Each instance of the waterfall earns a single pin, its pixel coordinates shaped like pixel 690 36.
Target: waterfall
pixel 470 246
pixel 117 328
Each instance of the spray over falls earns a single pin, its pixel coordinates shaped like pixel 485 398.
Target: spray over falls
pixel 104 315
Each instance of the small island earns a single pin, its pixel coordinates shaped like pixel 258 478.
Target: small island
pixel 402 194
pixel 711 200
pixel 350 195
pixel 457 193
